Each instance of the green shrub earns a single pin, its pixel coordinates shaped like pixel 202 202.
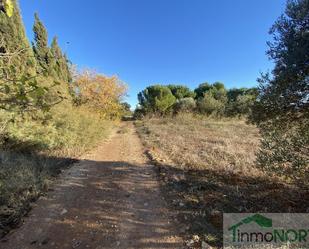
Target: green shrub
pixel 63 129
pixel 139 113
pixel 240 101
pixel 211 98
pixel 285 152
pixel 241 106
pixel 210 106
pixel 184 105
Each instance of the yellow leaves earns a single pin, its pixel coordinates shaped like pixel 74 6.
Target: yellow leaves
pixel 9 7
pixel 101 93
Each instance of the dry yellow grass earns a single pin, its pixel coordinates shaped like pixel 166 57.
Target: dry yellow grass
pixel 204 143
pixel 207 168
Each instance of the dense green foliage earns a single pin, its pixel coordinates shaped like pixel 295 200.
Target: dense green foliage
pixel 209 99
pixel 282 109
pixel 20 90
pixel 210 105
pixel 156 99
pixel 201 89
pixel 14 44
pixel 40 46
pixel 240 101
pixel 184 105
pixel 59 62
pixel 51 62
pixel 181 92
pixel 26 96
pixel 213 98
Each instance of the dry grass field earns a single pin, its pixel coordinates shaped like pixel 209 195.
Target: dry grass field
pixel 207 168
pixel 200 143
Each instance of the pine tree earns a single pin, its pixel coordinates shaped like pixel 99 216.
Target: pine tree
pixel 13 41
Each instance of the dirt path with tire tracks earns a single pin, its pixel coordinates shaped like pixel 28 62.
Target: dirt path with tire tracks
pixel 110 199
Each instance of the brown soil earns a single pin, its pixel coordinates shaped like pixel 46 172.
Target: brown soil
pixel 110 199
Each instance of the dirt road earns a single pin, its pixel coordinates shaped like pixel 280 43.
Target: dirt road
pixel 110 199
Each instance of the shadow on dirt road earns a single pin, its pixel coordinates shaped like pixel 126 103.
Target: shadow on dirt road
pixel 110 199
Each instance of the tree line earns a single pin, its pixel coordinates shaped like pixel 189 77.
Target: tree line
pixel 209 99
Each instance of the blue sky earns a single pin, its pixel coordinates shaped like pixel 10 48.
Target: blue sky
pixel 162 41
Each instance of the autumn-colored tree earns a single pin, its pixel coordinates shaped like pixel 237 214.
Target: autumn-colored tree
pixel 100 93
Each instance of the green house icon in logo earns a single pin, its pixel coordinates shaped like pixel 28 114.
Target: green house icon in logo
pixel 259 219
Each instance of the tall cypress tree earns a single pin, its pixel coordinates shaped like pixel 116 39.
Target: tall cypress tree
pixel 55 49
pixel 40 46
pixel 60 62
pixel 67 69
pixel 13 41
pixel 56 62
